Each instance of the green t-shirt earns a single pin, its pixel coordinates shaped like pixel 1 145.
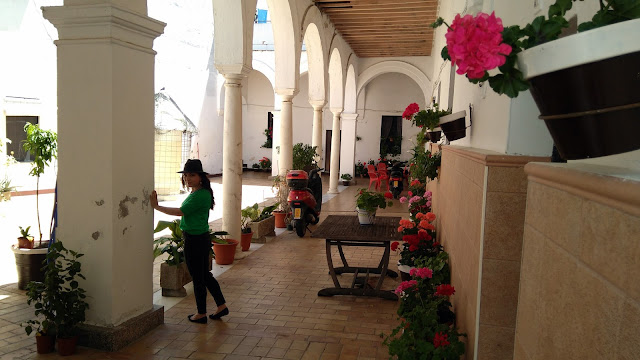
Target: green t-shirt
pixel 195 210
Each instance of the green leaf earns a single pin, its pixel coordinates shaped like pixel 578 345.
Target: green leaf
pixel 445 54
pixel 560 8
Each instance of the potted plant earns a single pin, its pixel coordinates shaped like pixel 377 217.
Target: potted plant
pixel 25 241
pixel 58 300
pixel 572 91
pixel 432 165
pixel 255 167
pixel 304 157
pixel 265 163
pixel 426 119
pixel 418 241
pixel 173 271
pixel 346 179
pixel 249 215
pixel 368 202
pixel 264 225
pixel 224 250
pixel 282 194
pixel 6 188
pixel 360 169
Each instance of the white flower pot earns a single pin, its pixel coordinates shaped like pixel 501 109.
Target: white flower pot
pixel 365 217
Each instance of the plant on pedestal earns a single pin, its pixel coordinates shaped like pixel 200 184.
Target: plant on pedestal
pixel 368 202
pixel 573 93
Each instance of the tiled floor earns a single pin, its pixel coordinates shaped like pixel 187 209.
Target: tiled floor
pixel 275 310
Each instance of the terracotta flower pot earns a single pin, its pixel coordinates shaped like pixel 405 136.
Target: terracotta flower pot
pixel 45 344
pixel 280 219
pixel 67 346
pixel 245 241
pixel 225 253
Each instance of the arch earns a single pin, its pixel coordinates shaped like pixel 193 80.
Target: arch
pixel 266 70
pixel 350 95
pixel 285 39
pixel 315 55
pixel 402 67
pixel 336 95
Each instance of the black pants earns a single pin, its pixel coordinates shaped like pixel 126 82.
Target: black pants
pixel 196 253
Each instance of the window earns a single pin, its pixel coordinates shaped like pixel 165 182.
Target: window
pixel 16 133
pixel 390 136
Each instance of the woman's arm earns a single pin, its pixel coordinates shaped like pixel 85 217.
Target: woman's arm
pixel 153 198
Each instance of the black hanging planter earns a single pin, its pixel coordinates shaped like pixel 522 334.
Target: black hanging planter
pixel 454 126
pixel 590 102
pixel 434 136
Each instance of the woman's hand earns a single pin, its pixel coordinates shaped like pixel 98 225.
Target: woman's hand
pixel 153 198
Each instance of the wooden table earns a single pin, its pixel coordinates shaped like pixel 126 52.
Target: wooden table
pixel 345 230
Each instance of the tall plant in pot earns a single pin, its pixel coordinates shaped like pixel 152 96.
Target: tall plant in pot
pixel 571 78
pixel 249 215
pixel 282 193
pixel 42 145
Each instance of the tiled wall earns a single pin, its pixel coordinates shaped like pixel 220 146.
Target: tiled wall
pixel 168 161
pixel 480 200
pixel 580 279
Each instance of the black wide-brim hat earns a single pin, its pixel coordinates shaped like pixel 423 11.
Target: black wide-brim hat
pixel 192 166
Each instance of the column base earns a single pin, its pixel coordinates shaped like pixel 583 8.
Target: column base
pixel 115 338
pixel 332 191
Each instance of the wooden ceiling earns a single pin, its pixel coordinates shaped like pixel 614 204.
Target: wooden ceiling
pixel 383 28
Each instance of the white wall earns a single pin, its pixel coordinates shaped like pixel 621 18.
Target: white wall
pixel 258 102
pixel 387 94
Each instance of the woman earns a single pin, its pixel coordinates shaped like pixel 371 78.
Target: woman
pixel 197 242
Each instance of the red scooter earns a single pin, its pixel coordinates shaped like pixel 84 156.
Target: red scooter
pixel 305 198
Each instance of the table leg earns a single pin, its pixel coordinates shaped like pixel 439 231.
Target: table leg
pixel 385 264
pixel 344 259
pixel 330 263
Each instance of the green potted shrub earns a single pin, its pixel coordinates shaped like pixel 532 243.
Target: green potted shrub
pixel 368 202
pixel 282 193
pixel 173 271
pixel 59 300
pixel 304 157
pixel 346 179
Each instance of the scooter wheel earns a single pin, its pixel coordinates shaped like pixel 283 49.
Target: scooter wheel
pixel 301 228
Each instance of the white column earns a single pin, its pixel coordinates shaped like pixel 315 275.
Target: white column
pixel 286 131
pixel 335 152
pixel 232 156
pixel 275 150
pixel 106 152
pixel 348 144
pixel 316 139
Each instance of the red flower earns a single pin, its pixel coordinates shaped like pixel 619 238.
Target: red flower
pixel 388 195
pixel 440 339
pixel 410 111
pixel 445 290
pixel 415 182
pixel 394 246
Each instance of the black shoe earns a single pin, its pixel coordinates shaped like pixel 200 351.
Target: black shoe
pixel 202 320
pixel 220 314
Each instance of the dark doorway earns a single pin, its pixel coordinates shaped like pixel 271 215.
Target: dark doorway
pixel 16 133
pixel 327 155
pixel 391 136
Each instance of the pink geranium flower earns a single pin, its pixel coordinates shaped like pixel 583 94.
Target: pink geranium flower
pixel 403 200
pixel 421 272
pixel 405 285
pixel 475 44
